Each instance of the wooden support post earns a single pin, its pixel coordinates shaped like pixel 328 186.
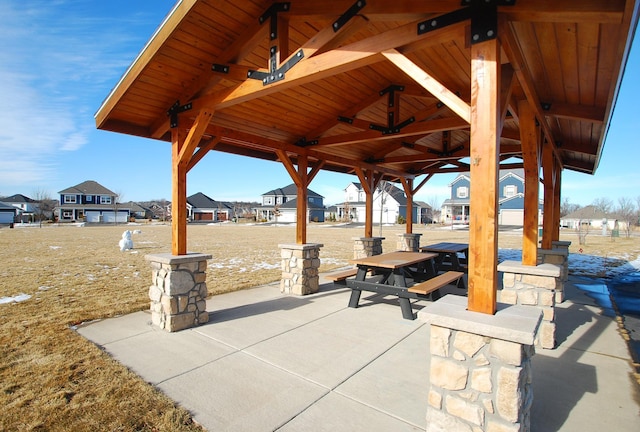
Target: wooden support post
pixel 369 181
pixel 302 179
pixel 530 157
pixel 302 201
pixel 556 204
pixel 484 156
pixel 408 190
pixel 548 171
pixel 178 195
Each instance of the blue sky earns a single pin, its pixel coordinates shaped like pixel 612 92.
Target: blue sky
pixel 60 59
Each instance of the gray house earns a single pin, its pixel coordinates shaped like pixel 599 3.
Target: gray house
pixel 280 205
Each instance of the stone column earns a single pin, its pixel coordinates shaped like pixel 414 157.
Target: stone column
pixel 179 290
pixel 409 242
pixel 561 244
pixel 559 257
pixel 480 371
pixel 533 286
pixel 300 263
pixel 366 246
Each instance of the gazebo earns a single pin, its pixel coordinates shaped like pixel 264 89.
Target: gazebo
pixel 386 90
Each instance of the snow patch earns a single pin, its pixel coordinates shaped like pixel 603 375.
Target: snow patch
pixel 15 299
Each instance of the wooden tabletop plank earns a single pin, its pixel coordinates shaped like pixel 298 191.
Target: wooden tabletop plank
pixel 446 247
pixel 393 260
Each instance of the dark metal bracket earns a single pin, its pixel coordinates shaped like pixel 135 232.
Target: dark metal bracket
pixel 482 13
pixel 350 13
pixel 302 142
pixel 220 68
pixel 176 109
pixel 272 15
pixel 276 74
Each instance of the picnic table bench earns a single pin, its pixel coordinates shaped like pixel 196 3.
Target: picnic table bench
pixel 406 275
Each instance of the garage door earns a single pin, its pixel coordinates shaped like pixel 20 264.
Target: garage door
pixel 110 217
pixel 512 217
pixel 92 216
pixel 6 217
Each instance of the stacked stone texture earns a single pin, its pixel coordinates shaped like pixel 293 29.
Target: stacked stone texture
pixel 559 257
pixel 367 246
pixel 478 383
pixel 178 295
pixel 300 265
pixel 533 286
pixel 409 242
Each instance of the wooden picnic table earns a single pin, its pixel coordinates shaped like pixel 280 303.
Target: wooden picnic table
pixel 396 273
pixel 448 258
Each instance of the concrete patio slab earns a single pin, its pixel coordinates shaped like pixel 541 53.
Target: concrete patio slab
pixel 268 361
pixel 242 393
pixel 330 350
pixel 345 415
pixel 398 391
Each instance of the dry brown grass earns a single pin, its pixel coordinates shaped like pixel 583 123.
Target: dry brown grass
pixel 53 379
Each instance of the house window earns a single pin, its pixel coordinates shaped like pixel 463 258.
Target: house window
pixel 105 199
pixel 69 199
pixel 268 200
pixel 67 214
pixel 89 198
pixel 462 192
pixel 510 190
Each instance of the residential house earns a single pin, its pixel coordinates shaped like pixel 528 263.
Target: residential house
pixel 27 208
pixel 455 210
pixel 389 204
pixel 89 201
pixel 280 205
pixel 202 208
pixel 7 213
pixel 591 218
pixel 138 211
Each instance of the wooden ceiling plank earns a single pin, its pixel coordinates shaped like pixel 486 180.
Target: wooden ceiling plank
pixel 576 112
pixel 432 85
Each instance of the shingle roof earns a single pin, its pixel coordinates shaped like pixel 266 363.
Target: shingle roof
pixel 17 198
pixel 290 190
pixel 200 200
pixel 88 187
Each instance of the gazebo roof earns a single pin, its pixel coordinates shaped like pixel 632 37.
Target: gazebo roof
pixel 374 84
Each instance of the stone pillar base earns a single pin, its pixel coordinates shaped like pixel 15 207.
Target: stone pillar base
pixel 559 257
pixel 366 246
pixel 179 290
pixel 533 286
pixel 561 244
pixel 409 242
pixel 300 263
pixel 480 367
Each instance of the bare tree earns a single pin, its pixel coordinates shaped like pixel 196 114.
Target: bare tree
pixel 603 204
pixel 567 207
pixel 626 212
pixel 117 199
pixel 435 204
pixel 45 205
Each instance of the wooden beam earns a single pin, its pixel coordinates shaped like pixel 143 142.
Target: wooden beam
pixel 369 182
pixel 178 195
pixel 432 85
pixel 483 224
pixel 346 58
pixel 577 112
pixel 555 235
pixel 564 11
pixel 530 157
pixel 419 128
pixel 407 184
pixel 202 151
pixel 194 136
pixel 548 172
